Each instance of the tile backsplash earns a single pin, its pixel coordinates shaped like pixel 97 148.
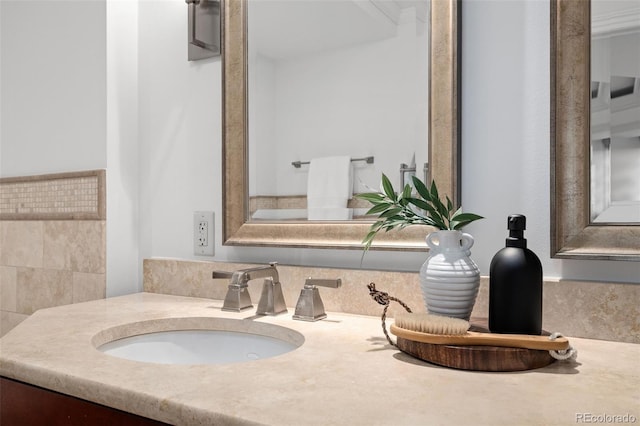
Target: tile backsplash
pixel 52 242
pixel 597 310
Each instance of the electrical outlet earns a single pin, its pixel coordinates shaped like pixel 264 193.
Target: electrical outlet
pixel 202 239
pixel 203 242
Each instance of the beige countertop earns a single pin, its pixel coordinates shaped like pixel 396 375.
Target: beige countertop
pixel 344 374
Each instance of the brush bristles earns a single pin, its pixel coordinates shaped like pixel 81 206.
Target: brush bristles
pixel 433 324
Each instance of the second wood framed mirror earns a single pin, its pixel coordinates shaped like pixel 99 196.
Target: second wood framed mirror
pixel 574 234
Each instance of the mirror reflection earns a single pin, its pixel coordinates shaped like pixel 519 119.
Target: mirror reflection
pixel 338 95
pixel 615 111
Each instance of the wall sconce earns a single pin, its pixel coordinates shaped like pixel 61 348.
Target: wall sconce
pixel 204 29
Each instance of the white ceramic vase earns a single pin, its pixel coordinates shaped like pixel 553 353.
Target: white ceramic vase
pixel 449 279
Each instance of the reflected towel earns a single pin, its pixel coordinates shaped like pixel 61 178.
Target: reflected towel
pixel 329 186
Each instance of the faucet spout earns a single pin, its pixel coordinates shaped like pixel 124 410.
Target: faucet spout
pixel 237 298
pixel 243 276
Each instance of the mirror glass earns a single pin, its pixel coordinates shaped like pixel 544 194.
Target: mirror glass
pixel 329 82
pixel 615 111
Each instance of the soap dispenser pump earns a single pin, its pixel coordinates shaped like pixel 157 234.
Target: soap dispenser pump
pixel 515 285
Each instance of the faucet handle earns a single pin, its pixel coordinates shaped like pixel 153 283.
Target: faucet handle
pixel 322 282
pixel 237 298
pixel 310 306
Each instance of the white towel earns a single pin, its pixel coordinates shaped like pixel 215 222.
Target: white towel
pixel 329 188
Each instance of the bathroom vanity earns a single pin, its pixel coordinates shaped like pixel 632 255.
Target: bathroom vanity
pixel 344 373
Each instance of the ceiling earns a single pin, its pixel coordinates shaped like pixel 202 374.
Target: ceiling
pixel 286 28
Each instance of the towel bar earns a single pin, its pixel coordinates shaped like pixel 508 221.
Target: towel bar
pixel 297 164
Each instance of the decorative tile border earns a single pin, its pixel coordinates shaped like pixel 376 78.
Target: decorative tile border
pixel 61 196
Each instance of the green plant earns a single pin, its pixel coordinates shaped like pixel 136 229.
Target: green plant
pixel 399 210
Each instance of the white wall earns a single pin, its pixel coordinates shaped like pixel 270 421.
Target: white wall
pixel 123 180
pixel 179 132
pixel 53 80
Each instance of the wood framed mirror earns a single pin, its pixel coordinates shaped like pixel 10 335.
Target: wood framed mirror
pixel 443 144
pixel 573 234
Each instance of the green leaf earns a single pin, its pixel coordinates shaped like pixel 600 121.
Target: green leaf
pixel 434 192
pixel 388 187
pixel 463 219
pixel 438 204
pixel 424 205
pixel 439 222
pixel 367 242
pixel 372 197
pixel 421 188
pixel 378 208
pixel 421 204
pixel 367 239
pixel 470 217
pixel 406 193
pixel 391 212
pixel 425 221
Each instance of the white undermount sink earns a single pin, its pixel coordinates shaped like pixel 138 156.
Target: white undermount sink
pixel 197 341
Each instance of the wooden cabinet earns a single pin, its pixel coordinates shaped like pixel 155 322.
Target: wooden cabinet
pixel 22 404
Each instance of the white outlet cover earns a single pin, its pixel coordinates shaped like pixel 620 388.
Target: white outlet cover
pixel 208 248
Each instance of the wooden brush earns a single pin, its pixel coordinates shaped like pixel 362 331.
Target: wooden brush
pixel 440 330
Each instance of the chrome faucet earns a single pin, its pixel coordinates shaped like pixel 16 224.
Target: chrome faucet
pixel 238 298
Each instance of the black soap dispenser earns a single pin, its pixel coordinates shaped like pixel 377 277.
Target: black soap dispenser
pixel 515 285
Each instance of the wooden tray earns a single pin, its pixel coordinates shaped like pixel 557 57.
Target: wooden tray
pixel 477 358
